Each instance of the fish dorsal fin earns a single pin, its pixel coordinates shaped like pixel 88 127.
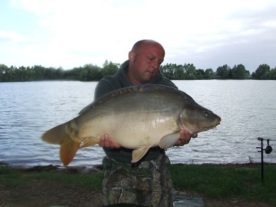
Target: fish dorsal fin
pixel 139 153
pixel 169 140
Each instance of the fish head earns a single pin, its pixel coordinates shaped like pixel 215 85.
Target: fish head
pixel 196 119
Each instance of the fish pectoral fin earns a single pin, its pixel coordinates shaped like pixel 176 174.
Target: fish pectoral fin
pixel 169 140
pixel 139 153
pixel 89 141
pixel 68 150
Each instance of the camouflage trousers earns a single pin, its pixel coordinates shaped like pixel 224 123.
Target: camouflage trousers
pixel 147 184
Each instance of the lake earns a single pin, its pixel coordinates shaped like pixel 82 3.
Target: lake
pixel 247 109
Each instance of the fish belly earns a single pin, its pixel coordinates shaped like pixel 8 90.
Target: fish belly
pixel 131 130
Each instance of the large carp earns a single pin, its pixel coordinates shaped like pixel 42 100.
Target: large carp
pixel 138 117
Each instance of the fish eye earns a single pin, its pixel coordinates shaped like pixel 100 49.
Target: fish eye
pixel 206 114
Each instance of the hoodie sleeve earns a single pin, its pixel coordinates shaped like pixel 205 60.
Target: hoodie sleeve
pixel 103 87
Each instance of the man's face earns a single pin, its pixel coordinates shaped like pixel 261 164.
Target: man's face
pixel 145 63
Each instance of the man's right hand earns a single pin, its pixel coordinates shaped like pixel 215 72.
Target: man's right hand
pixel 108 142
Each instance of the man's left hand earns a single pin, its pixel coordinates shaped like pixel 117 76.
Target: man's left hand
pixel 185 137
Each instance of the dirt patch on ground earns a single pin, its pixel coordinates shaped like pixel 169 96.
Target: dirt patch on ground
pixel 42 194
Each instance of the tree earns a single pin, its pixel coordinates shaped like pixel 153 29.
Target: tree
pixel 169 70
pixel 90 73
pixel 3 71
pixel 223 72
pixel 172 71
pixel 272 74
pixel 189 71
pixel 209 74
pixel 239 72
pixel 262 72
pixel 200 74
pixel 178 72
pixel 109 68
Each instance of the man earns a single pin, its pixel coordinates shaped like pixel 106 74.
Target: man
pixel 147 183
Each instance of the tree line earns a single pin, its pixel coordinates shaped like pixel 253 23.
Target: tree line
pixel 189 72
pixel 90 72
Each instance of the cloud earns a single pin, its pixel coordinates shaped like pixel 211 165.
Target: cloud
pixel 71 33
pixel 10 37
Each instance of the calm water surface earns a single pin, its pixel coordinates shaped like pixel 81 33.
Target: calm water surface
pixel 247 109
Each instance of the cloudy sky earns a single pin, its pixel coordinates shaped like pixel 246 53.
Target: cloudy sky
pixel 72 33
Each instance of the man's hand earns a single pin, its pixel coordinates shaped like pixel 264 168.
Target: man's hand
pixel 108 142
pixel 185 137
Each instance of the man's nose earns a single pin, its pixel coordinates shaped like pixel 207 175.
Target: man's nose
pixel 154 65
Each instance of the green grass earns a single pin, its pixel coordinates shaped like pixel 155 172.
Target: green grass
pixel 93 182
pixel 226 182
pixel 12 178
pixel 212 181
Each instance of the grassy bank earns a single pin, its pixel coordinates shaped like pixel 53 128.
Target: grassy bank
pixel 15 178
pixel 221 182
pixel 241 182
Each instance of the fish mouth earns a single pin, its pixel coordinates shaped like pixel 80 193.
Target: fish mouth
pixel 194 135
pixel 214 126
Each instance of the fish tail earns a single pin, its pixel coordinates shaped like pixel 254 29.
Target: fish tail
pixel 68 150
pixel 61 135
pixel 55 135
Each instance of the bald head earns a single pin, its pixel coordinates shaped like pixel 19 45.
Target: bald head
pixel 145 59
pixel 142 43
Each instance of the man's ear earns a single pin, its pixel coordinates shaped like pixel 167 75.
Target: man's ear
pixel 131 56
